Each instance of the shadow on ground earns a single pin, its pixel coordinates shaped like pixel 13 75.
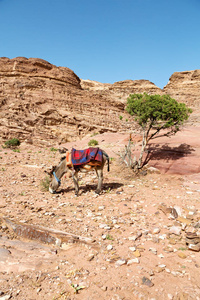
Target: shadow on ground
pixel 155 152
pixel 92 187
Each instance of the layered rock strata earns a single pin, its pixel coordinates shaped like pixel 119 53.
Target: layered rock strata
pixel 120 90
pixel 185 87
pixel 39 101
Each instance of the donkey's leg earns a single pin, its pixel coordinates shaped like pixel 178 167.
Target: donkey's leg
pixel 75 179
pixel 100 180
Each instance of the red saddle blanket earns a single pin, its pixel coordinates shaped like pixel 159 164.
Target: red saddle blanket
pixel 82 157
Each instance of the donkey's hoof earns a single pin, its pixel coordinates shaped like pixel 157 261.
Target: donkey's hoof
pixel 97 192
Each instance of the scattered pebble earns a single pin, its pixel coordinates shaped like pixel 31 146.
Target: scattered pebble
pixel 120 262
pixel 109 247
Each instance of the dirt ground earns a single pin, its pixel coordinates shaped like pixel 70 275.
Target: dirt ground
pixel 146 230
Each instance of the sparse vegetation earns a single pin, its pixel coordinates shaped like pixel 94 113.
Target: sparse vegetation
pixel 120 117
pixel 45 184
pixel 109 237
pixel 95 133
pixel 53 149
pixel 108 190
pixel 12 143
pixel 76 288
pixel 22 194
pixel 93 143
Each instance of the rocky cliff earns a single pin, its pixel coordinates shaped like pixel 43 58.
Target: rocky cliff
pixel 185 87
pixel 120 90
pixel 40 102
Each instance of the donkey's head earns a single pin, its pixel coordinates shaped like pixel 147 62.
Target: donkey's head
pixel 56 174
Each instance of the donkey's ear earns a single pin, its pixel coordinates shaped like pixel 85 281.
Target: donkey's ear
pixel 45 171
pixel 62 150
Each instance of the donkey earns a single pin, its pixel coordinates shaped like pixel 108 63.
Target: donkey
pixel 63 167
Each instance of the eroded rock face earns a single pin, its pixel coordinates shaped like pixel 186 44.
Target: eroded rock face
pixel 120 90
pixel 185 87
pixel 44 103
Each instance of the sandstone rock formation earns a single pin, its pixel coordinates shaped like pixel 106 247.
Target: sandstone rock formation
pixel 185 87
pixel 120 90
pixel 40 102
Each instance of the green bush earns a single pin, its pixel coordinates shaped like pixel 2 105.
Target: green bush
pixel 12 143
pixel 92 143
pixel 53 149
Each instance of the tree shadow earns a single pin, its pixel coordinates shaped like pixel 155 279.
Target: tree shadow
pixel 155 152
pixel 92 187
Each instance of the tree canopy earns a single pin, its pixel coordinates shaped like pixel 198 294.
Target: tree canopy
pixel 155 113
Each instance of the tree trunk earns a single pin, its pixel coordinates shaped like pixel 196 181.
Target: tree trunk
pixel 144 143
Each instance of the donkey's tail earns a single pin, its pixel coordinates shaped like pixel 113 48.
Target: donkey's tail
pixel 107 158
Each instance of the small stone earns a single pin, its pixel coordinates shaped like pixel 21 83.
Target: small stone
pixel 153 170
pixel 6 297
pixel 38 290
pixel 162 237
pixel 183 220
pixel 178 210
pixel 161 255
pixel 107 227
pixel 155 187
pixel 116 226
pixel 137 253
pixel 135 237
pixel 90 257
pixel 102 226
pixel 158 269
pixel 147 282
pixel 174 214
pixel 156 230
pixel 193 247
pixel 132 248
pixel 133 261
pixel 109 247
pixel 191 233
pixel 172 241
pixel 151 273
pixel 153 250
pixel 101 207
pixel 175 230
pixel 121 262
pixel 104 288
pixel 182 255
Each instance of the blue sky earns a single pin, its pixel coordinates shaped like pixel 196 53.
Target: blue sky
pixel 105 40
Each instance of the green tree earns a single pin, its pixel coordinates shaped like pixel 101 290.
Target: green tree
pixel 155 113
